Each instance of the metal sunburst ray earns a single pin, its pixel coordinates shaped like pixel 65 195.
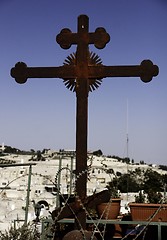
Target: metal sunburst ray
pixel 95 59
pixel 70 84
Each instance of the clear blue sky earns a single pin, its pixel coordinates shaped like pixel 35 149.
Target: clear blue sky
pixel 41 113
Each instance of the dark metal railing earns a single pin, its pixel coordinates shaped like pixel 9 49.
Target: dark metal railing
pixel 103 221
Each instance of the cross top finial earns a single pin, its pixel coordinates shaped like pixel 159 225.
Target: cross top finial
pixel 99 38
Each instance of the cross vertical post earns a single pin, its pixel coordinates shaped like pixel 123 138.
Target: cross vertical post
pixel 83 72
pixel 82 114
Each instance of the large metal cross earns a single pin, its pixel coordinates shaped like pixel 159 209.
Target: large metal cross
pixel 82 72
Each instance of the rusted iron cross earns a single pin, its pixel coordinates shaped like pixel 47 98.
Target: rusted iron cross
pixel 82 72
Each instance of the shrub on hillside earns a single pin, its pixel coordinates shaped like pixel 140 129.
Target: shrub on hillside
pixel 27 232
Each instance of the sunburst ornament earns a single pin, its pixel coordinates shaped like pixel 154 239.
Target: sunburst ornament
pixel 94 83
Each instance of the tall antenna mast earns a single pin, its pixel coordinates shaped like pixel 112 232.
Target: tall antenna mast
pixel 127 147
pixel 127 130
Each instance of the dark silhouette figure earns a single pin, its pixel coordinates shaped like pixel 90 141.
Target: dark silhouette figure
pixel 37 210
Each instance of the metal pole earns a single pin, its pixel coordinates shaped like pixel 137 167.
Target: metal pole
pixel 164 193
pixel 71 174
pixel 58 183
pixel 159 231
pixel 28 194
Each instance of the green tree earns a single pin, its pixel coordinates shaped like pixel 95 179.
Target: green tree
pixel 152 180
pixel 128 183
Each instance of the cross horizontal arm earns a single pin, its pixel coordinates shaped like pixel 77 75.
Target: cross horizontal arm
pixel 21 72
pixel 146 71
